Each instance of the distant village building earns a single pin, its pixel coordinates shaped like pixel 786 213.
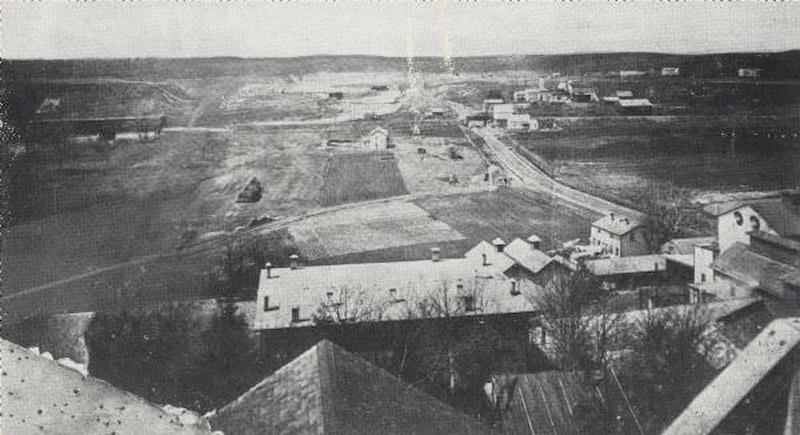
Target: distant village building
pixel 377 139
pixel 581 93
pixel 496 175
pixel 619 236
pixel 380 88
pixel 335 95
pixel 749 73
pixel 489 103
pixel 670 71
pixel 436 112
pixel 48 106
pixel 502 113
pixel 632 73
pixel 624 95
pixel 558 97
pixel 522 123
pixel 635 106
pixel 478 120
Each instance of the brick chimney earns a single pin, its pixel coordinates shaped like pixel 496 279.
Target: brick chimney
pixel 294 261
pixel 268 268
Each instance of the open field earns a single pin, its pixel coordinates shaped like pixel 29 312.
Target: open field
pixel 620 160
pixel 360 176
pixel 376 227
pixel 510 213
pixel 107 205
pixel 431 172
pixel 98 208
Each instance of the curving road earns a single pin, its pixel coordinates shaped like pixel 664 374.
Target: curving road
pixel 533 178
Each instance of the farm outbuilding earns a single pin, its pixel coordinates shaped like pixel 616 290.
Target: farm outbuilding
pixel 635 106
pixel 670 71
pixel 522 122
pixel 377 139
pixel 335 95
pixel 496 176
pixel 749 73
pixel 477 120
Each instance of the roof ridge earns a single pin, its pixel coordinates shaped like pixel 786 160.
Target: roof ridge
pixel 325 370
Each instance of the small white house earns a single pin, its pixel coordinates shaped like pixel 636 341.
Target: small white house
pixel 377 139
pixel 619 236
pixel 522 122
pixel 749 72
pixel 670 71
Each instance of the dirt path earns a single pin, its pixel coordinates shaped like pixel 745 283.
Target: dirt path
pixel 535 179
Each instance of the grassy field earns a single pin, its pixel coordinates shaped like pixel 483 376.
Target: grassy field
pixel 360 176
pixel 510 213
pixel 96 209
pixel 378 227
pixel 621 160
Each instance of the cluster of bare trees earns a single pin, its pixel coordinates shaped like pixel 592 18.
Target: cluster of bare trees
pixel 656 357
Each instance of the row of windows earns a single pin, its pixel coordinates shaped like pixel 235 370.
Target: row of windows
pixel 606 247
pixel 755 223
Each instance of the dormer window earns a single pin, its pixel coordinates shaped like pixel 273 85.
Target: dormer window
pixel 738 218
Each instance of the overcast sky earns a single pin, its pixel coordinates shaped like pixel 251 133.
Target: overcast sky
pixel 55 29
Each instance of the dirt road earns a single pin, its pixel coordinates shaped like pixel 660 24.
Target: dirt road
pixel 529 176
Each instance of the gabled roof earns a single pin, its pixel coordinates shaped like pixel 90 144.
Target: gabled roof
pixel 782 215
pixel 615 224
pixel 523 253
pixel 42 396
pixel 550 403
pixel 369 285
pixel 328 390
pixel 497 262
pixel 627 265
pixel 379 130
pixel 753 269
pixel 716 401
pixel 634 102
pixel 685 246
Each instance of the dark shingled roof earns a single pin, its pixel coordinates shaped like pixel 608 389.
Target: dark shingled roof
pixel 551 403
pixel 328 390
pixel 753 269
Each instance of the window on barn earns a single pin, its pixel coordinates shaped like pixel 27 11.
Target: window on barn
pixel 755 224
pixel 296 314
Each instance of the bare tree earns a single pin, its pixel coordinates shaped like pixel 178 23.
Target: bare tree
pixel 348 304
pixel 577 329
pixel 667 214
pixel 668 365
